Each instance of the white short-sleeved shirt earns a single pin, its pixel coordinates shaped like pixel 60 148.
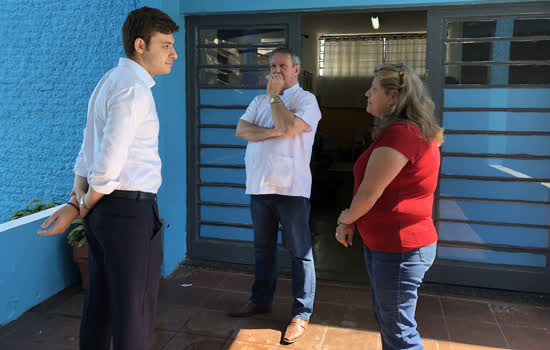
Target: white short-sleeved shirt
pixel 280 165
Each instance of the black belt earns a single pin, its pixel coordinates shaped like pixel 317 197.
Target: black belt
pixel 136 195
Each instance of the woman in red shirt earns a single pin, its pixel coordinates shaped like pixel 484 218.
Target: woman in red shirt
pixel 395 181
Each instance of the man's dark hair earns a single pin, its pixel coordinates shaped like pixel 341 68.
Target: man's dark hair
pixel 143 23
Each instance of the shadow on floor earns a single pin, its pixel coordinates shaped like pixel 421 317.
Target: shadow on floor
pixel 193 304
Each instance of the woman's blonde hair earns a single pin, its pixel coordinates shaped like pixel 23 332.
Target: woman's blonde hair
pixel 413 103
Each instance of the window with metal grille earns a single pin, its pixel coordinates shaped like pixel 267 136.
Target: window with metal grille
pixel 358 55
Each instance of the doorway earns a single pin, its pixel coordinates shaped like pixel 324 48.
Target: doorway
pixel 339 54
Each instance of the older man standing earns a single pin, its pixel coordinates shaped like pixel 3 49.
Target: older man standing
pixel 280 129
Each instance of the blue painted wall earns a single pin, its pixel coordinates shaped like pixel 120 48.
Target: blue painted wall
pixel 32 268
pixel 53 54
pixel 170 98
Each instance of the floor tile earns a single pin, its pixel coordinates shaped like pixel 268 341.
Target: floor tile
pixel 173 293
pixel 521 338
pixel 192 341
pixel 348 316
pixel 460 346
pixel 72 307
pixel 349 339
pixel 331 294
pixel 462 309
pixel 237 282
pixel 239 345
pixel 359 294
pixel 214 323
pixel 199 278
pixel 161 339
pixel 46 330
pixel 476 333
pixel 284 288
pixel 173 317
pixel 261 331
pixel 436 345
pixel 510 315
pixel 226 301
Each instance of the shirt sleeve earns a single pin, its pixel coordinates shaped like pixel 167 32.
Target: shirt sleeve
pixel 81 164
pixel 125 112
pixel 404 138
pixel 308 111
pixel 251 112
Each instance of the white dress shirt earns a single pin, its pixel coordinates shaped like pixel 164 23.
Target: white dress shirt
pixel 120 147
pixel 280 165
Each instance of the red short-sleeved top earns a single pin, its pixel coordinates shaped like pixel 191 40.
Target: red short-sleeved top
pixel 401 219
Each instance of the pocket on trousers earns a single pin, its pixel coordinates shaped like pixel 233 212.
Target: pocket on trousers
pixel 428 253
pixel 157 223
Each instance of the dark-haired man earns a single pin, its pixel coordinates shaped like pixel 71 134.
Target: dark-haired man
pixel 280 129
pixel 117 176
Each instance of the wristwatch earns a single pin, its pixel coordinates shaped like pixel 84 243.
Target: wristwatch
pixel 83 204
pixel 275 99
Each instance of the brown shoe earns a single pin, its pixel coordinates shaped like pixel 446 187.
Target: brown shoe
pixel 295 330
pixel 250 309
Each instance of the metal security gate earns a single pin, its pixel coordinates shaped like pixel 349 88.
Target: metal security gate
pixel 490 78
pixel 227 62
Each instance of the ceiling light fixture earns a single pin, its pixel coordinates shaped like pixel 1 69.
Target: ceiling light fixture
pixel 375 23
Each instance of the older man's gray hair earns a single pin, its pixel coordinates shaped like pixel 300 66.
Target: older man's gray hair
pixel 283 50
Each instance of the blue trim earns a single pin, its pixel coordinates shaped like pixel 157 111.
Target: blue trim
pixel 223 156
pixel 497 121
pixel 224 214
pixel 531 191
pixel 221 116
pixel 214 136
pixel 497 98
pixel 529 214
pixel 497 144
pixel 491 257
pixel 233 97
pixel 490 234
pixel 490 167
pixel 236 176
pixel 230 195
pixel 227 232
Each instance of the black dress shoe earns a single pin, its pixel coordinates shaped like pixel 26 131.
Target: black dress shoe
pixel 250 309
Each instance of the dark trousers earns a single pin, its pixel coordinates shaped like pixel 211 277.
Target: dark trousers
pixel 124 259
pixel 293 213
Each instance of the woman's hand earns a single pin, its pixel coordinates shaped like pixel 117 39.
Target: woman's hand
pixel 344 234
pixel 342 219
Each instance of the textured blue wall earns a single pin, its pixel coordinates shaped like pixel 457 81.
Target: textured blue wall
pixel 53 53
pixel 170 98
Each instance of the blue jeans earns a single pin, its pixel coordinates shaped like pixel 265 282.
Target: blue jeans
pixel 394 279
pixel 293 213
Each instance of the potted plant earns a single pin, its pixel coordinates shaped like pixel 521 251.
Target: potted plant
pixel 77 239
pixel 34 207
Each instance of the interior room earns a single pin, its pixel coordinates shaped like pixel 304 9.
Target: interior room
pixel 339 54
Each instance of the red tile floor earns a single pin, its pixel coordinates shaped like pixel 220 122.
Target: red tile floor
pixel 193 304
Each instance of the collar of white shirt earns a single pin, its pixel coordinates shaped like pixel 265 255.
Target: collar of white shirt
pixel 141 73
pixel 290 90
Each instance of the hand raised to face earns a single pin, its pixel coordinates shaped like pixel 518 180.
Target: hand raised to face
pixel 275 84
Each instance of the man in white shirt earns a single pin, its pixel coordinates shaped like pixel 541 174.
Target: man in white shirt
pixel 280 129
pixel 117 176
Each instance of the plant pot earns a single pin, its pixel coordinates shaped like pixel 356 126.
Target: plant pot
pixel 80 256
